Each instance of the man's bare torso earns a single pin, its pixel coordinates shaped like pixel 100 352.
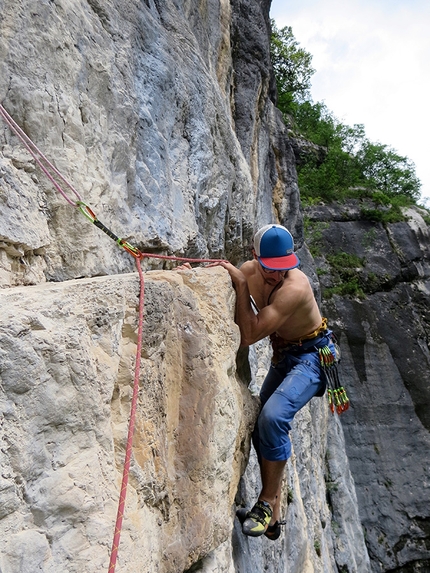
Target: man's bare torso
pixel 293 309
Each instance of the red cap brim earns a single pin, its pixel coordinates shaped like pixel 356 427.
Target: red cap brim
pixel 280 263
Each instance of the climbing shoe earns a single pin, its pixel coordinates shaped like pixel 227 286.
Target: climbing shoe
pixel 242 514
pixel 257 520
pixel 274 531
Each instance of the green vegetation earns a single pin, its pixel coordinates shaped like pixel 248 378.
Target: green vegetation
pixel 369 239
pixel 292 67
pixel 344 163
pixel 336 162
pixel 345 270
pixel 314 233
pixel 331 486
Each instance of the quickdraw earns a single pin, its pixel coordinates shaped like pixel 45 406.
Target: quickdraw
pixel 89 214
pixel 336 393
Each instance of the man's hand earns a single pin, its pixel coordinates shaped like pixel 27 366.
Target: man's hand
pixel 237 276
pixel 183 267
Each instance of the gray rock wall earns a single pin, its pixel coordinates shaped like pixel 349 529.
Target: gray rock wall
pixel 133 103
pixel 384 334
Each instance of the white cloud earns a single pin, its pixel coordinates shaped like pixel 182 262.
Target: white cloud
pixel 371 60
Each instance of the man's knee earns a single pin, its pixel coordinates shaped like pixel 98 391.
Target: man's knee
pixel 267 419
pixel 273 423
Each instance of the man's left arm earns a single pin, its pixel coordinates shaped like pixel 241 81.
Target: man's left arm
pixel 253 327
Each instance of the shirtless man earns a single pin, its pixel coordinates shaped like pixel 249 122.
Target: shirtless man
pixel 286 310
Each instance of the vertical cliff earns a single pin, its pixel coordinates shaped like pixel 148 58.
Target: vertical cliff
pixel 383 325
pixel 160 115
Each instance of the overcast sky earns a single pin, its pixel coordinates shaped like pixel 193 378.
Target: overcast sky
pixel 372 62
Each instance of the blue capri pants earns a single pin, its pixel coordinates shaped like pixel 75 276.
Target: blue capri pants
pixel 288 386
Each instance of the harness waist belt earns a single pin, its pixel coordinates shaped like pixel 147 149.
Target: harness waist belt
pixel 281 345
pixel 310 336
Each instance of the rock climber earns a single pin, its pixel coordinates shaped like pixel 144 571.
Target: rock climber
pixel 274 298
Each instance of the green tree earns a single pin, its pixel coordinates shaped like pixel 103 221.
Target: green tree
pixel 292 68
pixel 315 122
pixel 384 169
pixel 349 162
pixel 339 169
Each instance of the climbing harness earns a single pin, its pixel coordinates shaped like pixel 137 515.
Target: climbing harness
pixel 51 172
pixel 322 327
pixel 336 393
pixel 280 345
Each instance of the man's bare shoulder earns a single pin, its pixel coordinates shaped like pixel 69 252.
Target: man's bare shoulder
pixel 249 268
pixel 295 283
pixel 297 276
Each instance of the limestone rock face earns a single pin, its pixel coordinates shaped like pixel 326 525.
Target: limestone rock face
pixel 161 115
pixel 67 354
pixel 157 116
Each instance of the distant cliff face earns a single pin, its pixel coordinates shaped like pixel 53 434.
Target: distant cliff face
pixel 384 329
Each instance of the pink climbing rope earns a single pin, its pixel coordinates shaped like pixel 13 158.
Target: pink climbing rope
pixel 39 157
pixel 183 259
pixel 131 424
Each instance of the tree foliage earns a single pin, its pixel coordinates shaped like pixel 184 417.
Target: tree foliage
pixel 292 67
pixel 351 163
pixel 386 170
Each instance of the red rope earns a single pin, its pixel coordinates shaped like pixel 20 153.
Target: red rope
pixel 129 447
pixel 39 157
pixel 183 259
pixel 128 451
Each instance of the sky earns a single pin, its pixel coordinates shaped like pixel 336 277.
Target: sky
pixel 372 62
